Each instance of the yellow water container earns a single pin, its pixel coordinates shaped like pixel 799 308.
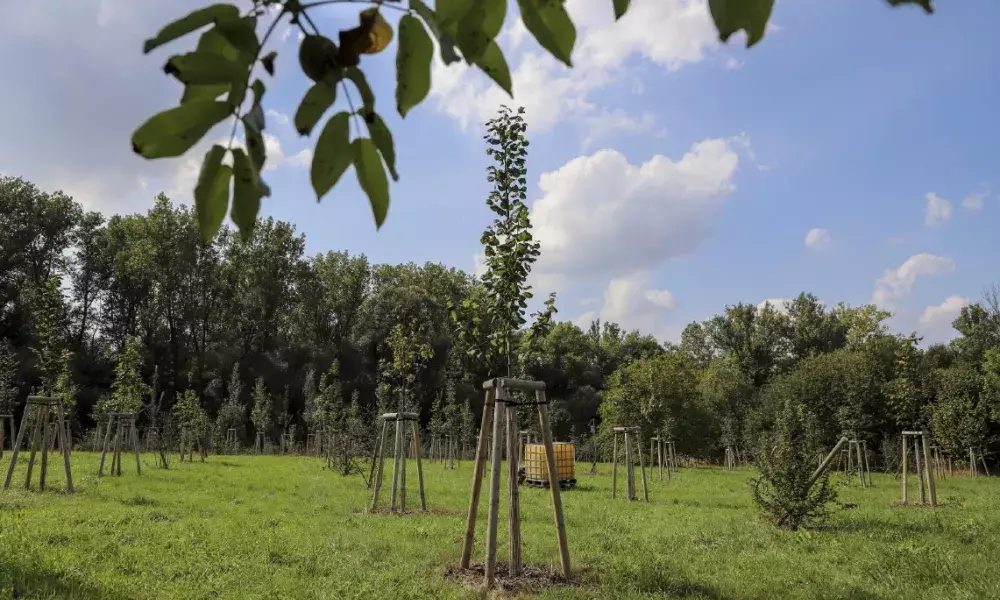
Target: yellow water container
pixel 536 471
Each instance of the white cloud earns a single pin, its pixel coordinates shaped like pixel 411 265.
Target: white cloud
pixel 818 239
pixel 943 314
pixel 609 122
pixel 599 216
pixel 668 33
pixel 974 200
pixel 584 320
pixel 780 305
pixel 632 303
pixel 938 210
pixel 896 284
pixel 278 117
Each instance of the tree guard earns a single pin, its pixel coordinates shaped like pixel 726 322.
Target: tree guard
pixel 921 446
pixel 631 443
pixel 124 426
pixel 400 449
pixel 503 413
pixel 44 409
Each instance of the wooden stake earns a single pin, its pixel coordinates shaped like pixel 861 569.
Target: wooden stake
pixel 65 446
pixel 36 432
pixel 614 468
pixel 931 489
pixel 477 479
pixel 46 440
pixel 396 464
pixel 920 473
pixel 906 467
pixel 380 458
pixel 420 467
pixel 513 499
pixel 135 445
pixel 494 502
pixel 642 468
pixel 550 459
pixel 17 447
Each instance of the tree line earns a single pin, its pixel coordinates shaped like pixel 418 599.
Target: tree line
pixel 139 313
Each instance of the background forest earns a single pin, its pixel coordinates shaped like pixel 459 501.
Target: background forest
pixel 100 309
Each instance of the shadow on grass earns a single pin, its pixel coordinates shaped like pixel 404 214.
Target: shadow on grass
pixel 661 582
pixel 20 582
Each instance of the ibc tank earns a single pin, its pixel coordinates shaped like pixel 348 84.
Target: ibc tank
pixel 536 469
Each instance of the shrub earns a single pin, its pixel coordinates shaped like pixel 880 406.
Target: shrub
pixel 786 460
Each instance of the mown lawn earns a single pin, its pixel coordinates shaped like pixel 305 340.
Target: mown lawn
pixel 276 527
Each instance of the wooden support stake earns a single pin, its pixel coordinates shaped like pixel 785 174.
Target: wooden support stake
pixel 920 472
pixel 420 467
pixel 826 461
pixel 906 468
pixel 931 489
pixel 477 480
pixel 642 468
pixel 614 468
pixel 46 441
pixel 380 459
pixel 396 464
pixel 65 446
pixel 550 459
pixel 513 498
pixel 494 502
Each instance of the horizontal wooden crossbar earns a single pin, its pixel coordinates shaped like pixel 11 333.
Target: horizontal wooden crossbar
pixel 43 400
pixel 514 384
pixel 914 432
pixel 403 416
pixel 626 429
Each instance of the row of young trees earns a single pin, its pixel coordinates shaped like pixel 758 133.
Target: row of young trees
pixel 139 312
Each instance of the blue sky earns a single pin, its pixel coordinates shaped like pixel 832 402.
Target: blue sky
pixel 683 175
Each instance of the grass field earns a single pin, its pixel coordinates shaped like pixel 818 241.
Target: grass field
pixel 276 527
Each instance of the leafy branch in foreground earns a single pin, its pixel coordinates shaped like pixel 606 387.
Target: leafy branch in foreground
pixel 217 75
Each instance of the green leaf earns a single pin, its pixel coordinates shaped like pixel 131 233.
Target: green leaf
pixel 749 15
pixel 494 65
pixel 382 138
pixel 211 194
pixel 196 20
pixel 371 176
pixel 255 146
pixel 246 193
pixel 333 154
pixel 174 131
pixel 241 33
pixel 254 118
pixel 193 93
pixel 445 41
pixel 479 26
pixel 413 64
pixel 924 4
pixel 361 82
pixel 621 7
pixel 317 100
pixel 268 61
pixel 204 68
pixel 551 26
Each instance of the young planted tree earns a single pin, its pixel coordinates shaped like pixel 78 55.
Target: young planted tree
pixel 232 414
pixel 785 487
pixel 196 427
pixel 309 394
pixel 128 389
pixel 260 414
pixel 8 373
pixel 229 52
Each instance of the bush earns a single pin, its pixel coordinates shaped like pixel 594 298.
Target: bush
pixel 786 459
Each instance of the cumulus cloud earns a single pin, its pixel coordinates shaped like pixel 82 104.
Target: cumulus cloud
pixel 818 239
pixel 633 303
pixel 600 216
pixel 896 284
pixel 974 200
pixel 937 211
pixel 780 305
pixel 668 33
pixel 944 313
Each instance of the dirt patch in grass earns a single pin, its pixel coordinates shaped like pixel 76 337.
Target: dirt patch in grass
pixel 531 579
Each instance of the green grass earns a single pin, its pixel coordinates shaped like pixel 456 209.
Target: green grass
pixel 270 527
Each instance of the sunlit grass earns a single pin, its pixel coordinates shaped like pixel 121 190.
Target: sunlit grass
pixel 270 527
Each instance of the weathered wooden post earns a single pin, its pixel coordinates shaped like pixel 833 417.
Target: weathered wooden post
pixel 730 459
pixel 43 409
pixel 858 462
pixel 501 411
pixel 629 442
pixel 124 425
pixel 231 443
pixel 921 459
pixel 398 492
pixel 823 466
